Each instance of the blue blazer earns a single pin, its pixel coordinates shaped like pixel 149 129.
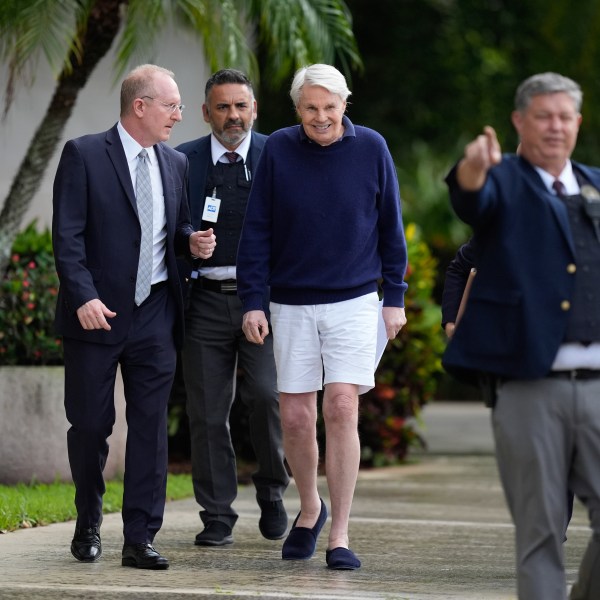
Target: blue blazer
pixel 96 232
pixel 517 311
pixel 199 156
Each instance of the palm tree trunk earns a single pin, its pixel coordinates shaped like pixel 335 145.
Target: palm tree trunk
pixel 100 31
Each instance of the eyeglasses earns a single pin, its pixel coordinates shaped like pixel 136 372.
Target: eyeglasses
pixel 171 107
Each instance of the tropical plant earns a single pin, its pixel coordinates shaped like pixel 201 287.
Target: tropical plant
pixel 410 368
pixel 74 35
pixel 27 302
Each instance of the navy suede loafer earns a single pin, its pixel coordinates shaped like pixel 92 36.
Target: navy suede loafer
pixel 342 559
pixel 301 542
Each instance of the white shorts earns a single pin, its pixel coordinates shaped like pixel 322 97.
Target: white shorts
pixel 338 339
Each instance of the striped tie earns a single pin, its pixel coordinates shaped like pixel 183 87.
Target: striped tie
pixel 143 194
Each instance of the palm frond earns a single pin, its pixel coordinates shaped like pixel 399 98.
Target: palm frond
pixel 223 28
pixel 32 28
pixel 144 19
pixel 295 33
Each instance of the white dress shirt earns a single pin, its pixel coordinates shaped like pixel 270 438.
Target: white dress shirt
pixel 218 155
pixel 159 220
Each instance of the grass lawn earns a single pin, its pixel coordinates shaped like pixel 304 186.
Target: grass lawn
pixel 41 504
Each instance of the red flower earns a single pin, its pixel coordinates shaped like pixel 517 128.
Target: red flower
pixel 395 423
pixel 385 392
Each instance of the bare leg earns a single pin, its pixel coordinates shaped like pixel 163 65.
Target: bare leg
pixel 340 412
pixel 299 427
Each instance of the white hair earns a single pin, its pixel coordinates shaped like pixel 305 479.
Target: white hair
pixel 324 76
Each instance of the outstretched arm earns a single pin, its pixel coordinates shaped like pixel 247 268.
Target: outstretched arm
pixel 480 156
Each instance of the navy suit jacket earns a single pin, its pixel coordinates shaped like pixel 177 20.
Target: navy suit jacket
pixel 200 157
pixel 96 232
pixel 517 312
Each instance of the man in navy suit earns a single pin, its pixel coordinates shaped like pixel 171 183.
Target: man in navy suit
pixel 120 218
pixel 532 325
pixel 215 348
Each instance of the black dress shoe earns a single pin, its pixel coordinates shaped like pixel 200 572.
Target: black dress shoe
pixel 86 545
pixel 273 521
pixel 143 556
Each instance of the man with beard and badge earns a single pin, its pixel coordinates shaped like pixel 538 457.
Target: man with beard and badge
pixel 531 326
pixel 215 349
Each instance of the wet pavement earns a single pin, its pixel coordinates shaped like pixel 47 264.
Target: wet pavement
pixel 434 529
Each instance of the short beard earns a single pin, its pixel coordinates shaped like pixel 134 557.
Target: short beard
pixel 232 140
pixel 236 139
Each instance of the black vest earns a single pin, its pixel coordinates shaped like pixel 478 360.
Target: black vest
pixel 232 189
pixel 583 324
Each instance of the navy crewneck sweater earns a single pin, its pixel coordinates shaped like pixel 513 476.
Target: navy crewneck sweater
pixel 323 223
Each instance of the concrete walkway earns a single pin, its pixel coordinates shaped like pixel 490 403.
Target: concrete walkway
pixel 435 529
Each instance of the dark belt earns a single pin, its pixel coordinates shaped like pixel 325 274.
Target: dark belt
pixel 158 286
pixel 225 286
pixel 580 374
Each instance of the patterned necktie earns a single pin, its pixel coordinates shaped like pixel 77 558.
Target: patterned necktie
pixel 559 188
pixel 143 194
pixel 232 156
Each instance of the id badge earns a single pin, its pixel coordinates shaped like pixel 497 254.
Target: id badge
pixel 211 209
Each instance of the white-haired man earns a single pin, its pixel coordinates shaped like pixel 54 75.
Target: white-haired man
pixel 323 226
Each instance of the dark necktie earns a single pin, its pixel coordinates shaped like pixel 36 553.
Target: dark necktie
pixel 232 156
pixel 559 188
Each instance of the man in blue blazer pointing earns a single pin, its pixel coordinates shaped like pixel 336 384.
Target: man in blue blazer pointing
pixel 120 218
pixel 532 325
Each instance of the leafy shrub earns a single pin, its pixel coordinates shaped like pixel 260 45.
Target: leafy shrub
pixel 409 371
pixel 425 198
pixel 28 292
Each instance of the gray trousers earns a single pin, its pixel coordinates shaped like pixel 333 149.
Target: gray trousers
pixel 547 435
pixel 214 348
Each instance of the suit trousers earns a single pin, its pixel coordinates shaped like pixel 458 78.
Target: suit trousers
pixel 547 435
pixel 215 348
pixel 148 358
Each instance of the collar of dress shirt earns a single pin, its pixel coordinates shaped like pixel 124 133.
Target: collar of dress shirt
pixel 133 148
pixel 217 149
pixel 567 177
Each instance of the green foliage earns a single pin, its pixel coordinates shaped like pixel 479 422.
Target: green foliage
pixel 27 302
pixel 408 374
pixel 23 506
pixel 425 198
